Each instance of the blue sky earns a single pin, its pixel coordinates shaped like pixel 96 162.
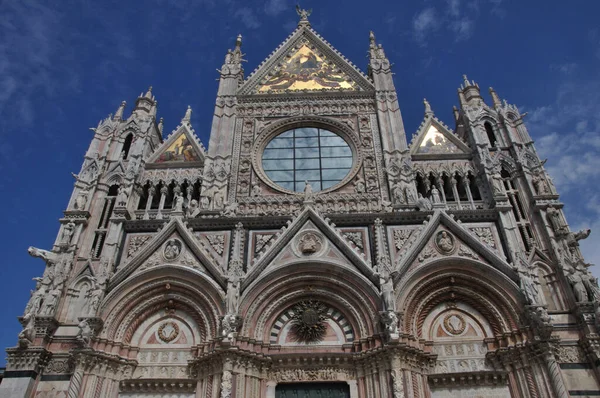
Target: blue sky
pixel 64 67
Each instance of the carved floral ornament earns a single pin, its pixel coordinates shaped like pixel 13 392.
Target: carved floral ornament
pixel 341 129
pixel 455 324
pixel 168 331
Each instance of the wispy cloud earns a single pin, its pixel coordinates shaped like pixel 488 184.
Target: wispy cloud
pixel 567 133
pixel 425 23
pixel 248 18
pixel 276 7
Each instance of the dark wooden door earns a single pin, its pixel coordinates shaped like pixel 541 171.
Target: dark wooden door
pixel 313 390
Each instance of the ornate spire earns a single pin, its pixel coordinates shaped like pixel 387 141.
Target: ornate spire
pixel 119 113
pixel 428 111
pixel 304 14
pixel 495 98
pixel 149 93
pixel 372 44
pixel 188 115
pixel 375 50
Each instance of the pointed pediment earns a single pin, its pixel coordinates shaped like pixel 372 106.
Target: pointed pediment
pixel 309 237
pixel 434 138
pixel 182 147
pixel 305 62
pixel 442 237
pixel 174 245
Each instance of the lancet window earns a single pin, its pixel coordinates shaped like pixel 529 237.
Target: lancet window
pixel 102 227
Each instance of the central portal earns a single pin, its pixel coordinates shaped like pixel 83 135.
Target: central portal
pixel 313 390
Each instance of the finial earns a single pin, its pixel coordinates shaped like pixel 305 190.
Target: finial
pixel 161 125
pixel 304 14
pixel 372 39
pixel 188 114
pixel 456 112
pixel 149 93
pixel 238 41
pixel 119 113
pixel 428 111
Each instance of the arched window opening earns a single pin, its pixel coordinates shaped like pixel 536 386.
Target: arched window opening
pixel 103 222
pixel 127 146
pixel 473 187
pixel 170 196
pixel 156 196
pixel 490 134
pixel 448 191
pixel 421 187
pixel 144 197
pixel 460 187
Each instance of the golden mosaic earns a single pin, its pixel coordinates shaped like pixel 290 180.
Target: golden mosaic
pixel 307 70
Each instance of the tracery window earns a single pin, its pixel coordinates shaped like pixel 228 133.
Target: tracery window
pixel 311 154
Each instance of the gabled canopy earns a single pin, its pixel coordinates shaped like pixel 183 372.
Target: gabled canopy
pixel 305 62
pixel 181 147
pixel 434 138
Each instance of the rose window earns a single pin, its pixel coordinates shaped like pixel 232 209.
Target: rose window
pixel 310 154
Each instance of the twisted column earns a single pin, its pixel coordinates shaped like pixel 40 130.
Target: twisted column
pixel 75 384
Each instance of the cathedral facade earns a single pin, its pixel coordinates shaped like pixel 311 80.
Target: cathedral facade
pixel 311 250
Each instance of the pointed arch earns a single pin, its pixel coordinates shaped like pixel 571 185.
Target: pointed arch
pixel 127 145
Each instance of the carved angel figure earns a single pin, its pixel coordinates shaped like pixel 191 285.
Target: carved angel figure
pixel 28 333
pixel 84 336
pixel 423 204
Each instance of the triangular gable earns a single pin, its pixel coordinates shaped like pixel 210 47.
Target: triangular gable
pixel 435 138
pixel 305 62
pixel 465 245
pixel 158 244
pixel 282 240
pixel 181 147
pixel 320 246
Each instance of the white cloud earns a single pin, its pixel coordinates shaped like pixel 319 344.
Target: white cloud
pixel 275 7
pixel 424 23
pixel 248 18
pixel 463 28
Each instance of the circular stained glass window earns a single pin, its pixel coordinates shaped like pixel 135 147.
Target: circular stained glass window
pixel 308 154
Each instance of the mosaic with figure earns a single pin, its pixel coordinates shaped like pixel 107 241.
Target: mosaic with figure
pixel 306 70
pixel 181 150
pixel 436 142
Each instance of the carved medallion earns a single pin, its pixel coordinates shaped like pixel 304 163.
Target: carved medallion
pixel 168 331
pixel 309 243
pixel 445 242
pixel 172 249
pixel 455 324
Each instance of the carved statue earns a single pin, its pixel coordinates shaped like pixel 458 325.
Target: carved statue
pixel 555 220
pixel 528 285
pixel 228 325
pixel 423 204
pixel 81 199
pixel 359 185
pixel 85 334
pixel 35 301
pixel 95 299
pixel 574 237
pixel 230 209
pixel 178 202
pixel 122 197
pixel 28 333
pixel 67 233
pixel 590 282
pixel 308 191
pixel 540 185
pixel 387 291
pixel 390 322
pixel 233 295
pixel 398 194
pixel 205 202
pixel 256 191
pixel 193 210
pixel 304 14
pixel 497 183
pixel 576 281
pixel 435 195
pixel 51 302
